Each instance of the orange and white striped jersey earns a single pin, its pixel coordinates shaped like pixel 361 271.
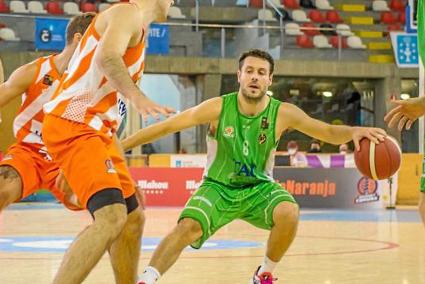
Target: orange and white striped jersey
pixel 84 95
pixel 28 122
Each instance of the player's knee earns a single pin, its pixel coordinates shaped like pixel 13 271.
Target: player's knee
pixel 136 222
pixel 189 229
pixel 111 219
pixel 286 212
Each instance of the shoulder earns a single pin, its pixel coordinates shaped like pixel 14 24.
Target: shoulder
pixel 123 13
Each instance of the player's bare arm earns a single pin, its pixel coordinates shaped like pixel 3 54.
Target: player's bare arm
pixel 1 72
pixel 121 28
pixel 290 116
pixel 17 84
pixel 206 112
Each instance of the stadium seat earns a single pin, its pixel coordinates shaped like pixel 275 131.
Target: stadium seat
pixel 355 42
pixel 398 5
pixel 380 6
pixel 327 29
pixel 335 42
pixel 36 7
pixel 316 16
pixel 395 27
pixel 304 41
pixel 300 16
pixel 54 8
pixel 311 30
pixel 266 15
pixel 104 6
pixel 4 8
pixel 307 4
pixel 276 3
pixel 291 4
pixel 8 35
pixel 402 17
pixel 176 13
pixel 333 17
pixel 388 18
pixel 88 7
pixel 344 30
pixel 293 29
pixel 323 5
pixel 71 8
pixel 2 25
pixel 321 41
pixel 17 6
pixel 256 3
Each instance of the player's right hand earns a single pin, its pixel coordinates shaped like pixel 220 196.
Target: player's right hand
pixel 147 107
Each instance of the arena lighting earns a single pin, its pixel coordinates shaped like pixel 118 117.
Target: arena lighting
pixel 405 96
pixel 269 93
pixel 327 94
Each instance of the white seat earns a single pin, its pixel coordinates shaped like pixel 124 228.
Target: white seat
pixel 321 41
pixel 344 30
pixel 323 5
pixel 112 1
pixel 71 8
pixel 300 16
pixel 104 6
pixel 36 7
pixel 293 29
pixel 8 35
pixel 176 13
pixel 380 6
pixel 17 6
pixel 266 15
pixel 355 42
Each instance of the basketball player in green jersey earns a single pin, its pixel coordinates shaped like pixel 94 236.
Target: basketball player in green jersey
pixel 407 111
pixel 403 116
pixel 245 127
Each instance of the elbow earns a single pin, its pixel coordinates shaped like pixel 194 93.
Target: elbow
pixel 103 58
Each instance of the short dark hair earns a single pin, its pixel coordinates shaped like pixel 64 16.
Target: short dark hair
pixel 78 24
pixel 259 54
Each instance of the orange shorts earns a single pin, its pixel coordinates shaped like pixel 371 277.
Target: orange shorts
pixel 35 168
pixel 89 159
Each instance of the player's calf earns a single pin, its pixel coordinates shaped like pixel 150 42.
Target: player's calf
pixel 10 186
pixel 422 206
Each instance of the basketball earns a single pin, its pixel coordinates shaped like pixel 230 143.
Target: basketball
pixel 378 161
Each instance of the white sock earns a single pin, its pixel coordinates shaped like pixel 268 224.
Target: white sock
pixel 150 275
pixel 267 266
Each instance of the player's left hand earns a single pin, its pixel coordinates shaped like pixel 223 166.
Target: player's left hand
pixel 405 113
pixel 375 135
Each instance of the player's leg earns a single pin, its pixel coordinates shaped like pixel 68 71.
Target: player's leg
pixel 422 196
pixel 98 188
pixel 273 208
pixel 200 219
pixel 18 175
pixel 125 250
pixel 10 186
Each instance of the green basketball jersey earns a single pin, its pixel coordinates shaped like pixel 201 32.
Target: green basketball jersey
pixel 241 152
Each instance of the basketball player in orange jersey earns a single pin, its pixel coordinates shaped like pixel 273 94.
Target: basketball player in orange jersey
pixel 79 132
pixel 26 167
pixel 403 116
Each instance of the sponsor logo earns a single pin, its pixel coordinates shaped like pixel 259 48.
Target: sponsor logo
pixel 7 157
pixel 323 188
pixel 367 189
pixel 264 123
pixel 153 184
pixel 192 184
pixel 262 138
pixel 110 169
pixel 229 132
pixel 47 80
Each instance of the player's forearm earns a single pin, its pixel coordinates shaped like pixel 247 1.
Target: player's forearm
pixel 146 135
pixel 114 69
pixel 338 134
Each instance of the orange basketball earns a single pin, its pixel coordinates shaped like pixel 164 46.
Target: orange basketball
pixel 378 161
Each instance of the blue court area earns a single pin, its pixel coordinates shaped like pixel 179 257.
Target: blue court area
pixel 54 244
pixel 370 215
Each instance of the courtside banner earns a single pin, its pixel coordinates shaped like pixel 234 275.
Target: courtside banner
pixel 158 40
pixel 312 188
pixel 50 33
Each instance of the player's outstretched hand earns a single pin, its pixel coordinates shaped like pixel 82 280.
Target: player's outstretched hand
pixel 373 134
pixel 147 107
pixel 405 113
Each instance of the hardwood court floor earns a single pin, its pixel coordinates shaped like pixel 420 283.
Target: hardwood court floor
pixel 332 247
